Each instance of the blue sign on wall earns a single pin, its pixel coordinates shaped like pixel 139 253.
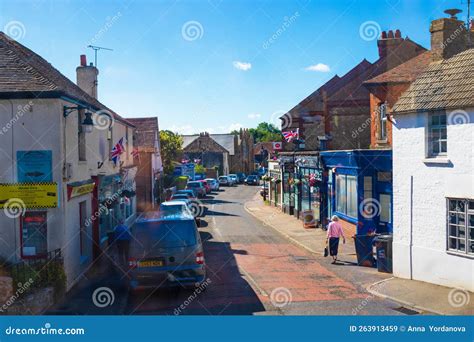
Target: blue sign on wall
pixel 34 166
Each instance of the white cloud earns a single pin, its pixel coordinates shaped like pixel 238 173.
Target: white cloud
pixel 185 129
pixel 254 116
pixel 320 67
pixel 244 66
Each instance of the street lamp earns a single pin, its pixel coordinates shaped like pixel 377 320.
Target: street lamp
pixel 87 125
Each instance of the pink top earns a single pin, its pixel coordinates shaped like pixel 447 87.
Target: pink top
pixel 335 230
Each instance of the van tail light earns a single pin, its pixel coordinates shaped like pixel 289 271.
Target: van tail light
pixel 132 263
pixel 200 258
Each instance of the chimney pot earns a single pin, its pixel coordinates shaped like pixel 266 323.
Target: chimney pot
pixel 83 60
pixel 390 34
pixel 398 34
pixel 384 35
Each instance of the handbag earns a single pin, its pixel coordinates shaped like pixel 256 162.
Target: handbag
pixel 326 250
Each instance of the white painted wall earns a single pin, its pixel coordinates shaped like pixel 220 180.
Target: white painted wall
pixel 432 184
pixel 44 128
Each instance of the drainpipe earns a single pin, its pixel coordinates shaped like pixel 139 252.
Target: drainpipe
pixel 13 179
pixel 411 228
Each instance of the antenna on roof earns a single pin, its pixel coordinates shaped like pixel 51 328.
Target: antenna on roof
pixel 97 48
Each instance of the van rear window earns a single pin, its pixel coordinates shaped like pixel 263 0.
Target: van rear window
pixel 165 234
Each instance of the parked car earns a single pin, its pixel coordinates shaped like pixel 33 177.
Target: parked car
pixel 233 179
pixel 190 193
pixel 180 197
pixel 241 177
pixel 252 180
pixel 214 184
pixel 206 185
pixel 182 207
pixel 198 187
pixel 166 251
pixel 224 181
pixel 264 190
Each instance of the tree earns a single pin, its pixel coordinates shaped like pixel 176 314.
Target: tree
pixel 198 168
pixel 171 148
pixel 265 132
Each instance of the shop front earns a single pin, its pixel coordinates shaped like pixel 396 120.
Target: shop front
pixel 114 201
pixel 274 178
pixel 359 189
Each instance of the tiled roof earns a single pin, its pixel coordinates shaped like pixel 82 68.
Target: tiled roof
pixel 24 72
pixel 448 84
pixel 146 131
pixel 225 140
pixel 404 73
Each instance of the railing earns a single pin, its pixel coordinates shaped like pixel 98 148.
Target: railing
pixel 38 273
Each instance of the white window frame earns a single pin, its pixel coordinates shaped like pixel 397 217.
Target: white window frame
pixel 439 140
pixel 467 212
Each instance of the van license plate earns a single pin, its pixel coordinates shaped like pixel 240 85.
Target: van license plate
pixel 150 263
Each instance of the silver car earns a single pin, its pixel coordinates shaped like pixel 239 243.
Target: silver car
pixel 233 179
pixel 213 183
pixel 166 251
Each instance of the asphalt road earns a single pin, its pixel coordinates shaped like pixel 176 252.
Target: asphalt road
pixel 252 269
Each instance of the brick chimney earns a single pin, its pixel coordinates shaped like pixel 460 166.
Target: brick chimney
pixel 87 77
pixel 448 36
pixel 389 42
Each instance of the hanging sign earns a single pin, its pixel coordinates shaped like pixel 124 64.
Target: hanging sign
pixel 80 188
pixel 29 195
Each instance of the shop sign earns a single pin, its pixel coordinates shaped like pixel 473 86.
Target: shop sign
pixel 34 166
pixel 308 219
pixel 29 195
pixel 80 188
pixel 33 234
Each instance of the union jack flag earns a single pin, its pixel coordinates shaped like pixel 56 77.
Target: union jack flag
pixel 289 136
pixel 117 151
pixel 197 161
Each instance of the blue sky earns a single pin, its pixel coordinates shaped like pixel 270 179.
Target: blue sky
pixel 213 65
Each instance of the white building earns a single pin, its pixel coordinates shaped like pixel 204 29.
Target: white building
pixel 43 139
pixel 433 166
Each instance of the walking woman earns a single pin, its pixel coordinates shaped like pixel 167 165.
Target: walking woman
pixel 334 233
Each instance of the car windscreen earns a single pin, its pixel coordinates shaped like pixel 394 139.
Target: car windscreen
pixel 194 185
pixel 179 196
pixel 163 234
pixel 169 210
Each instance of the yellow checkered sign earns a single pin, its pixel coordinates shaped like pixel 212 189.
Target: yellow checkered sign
pixel 30 195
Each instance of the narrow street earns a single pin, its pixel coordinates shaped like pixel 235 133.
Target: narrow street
pixel 254 270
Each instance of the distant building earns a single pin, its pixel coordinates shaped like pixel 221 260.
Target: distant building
pixel 207 148
pixel 433 158
pixel 47 141
pixel 148 161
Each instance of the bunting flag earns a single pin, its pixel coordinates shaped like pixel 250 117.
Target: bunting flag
pixel 291 135
pixel 197 161
pixel 184 161
pixel 117 151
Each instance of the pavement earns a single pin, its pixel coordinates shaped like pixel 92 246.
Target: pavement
pixel 415 297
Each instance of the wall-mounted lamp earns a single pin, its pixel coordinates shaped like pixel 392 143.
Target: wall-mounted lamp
pixel 87 124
